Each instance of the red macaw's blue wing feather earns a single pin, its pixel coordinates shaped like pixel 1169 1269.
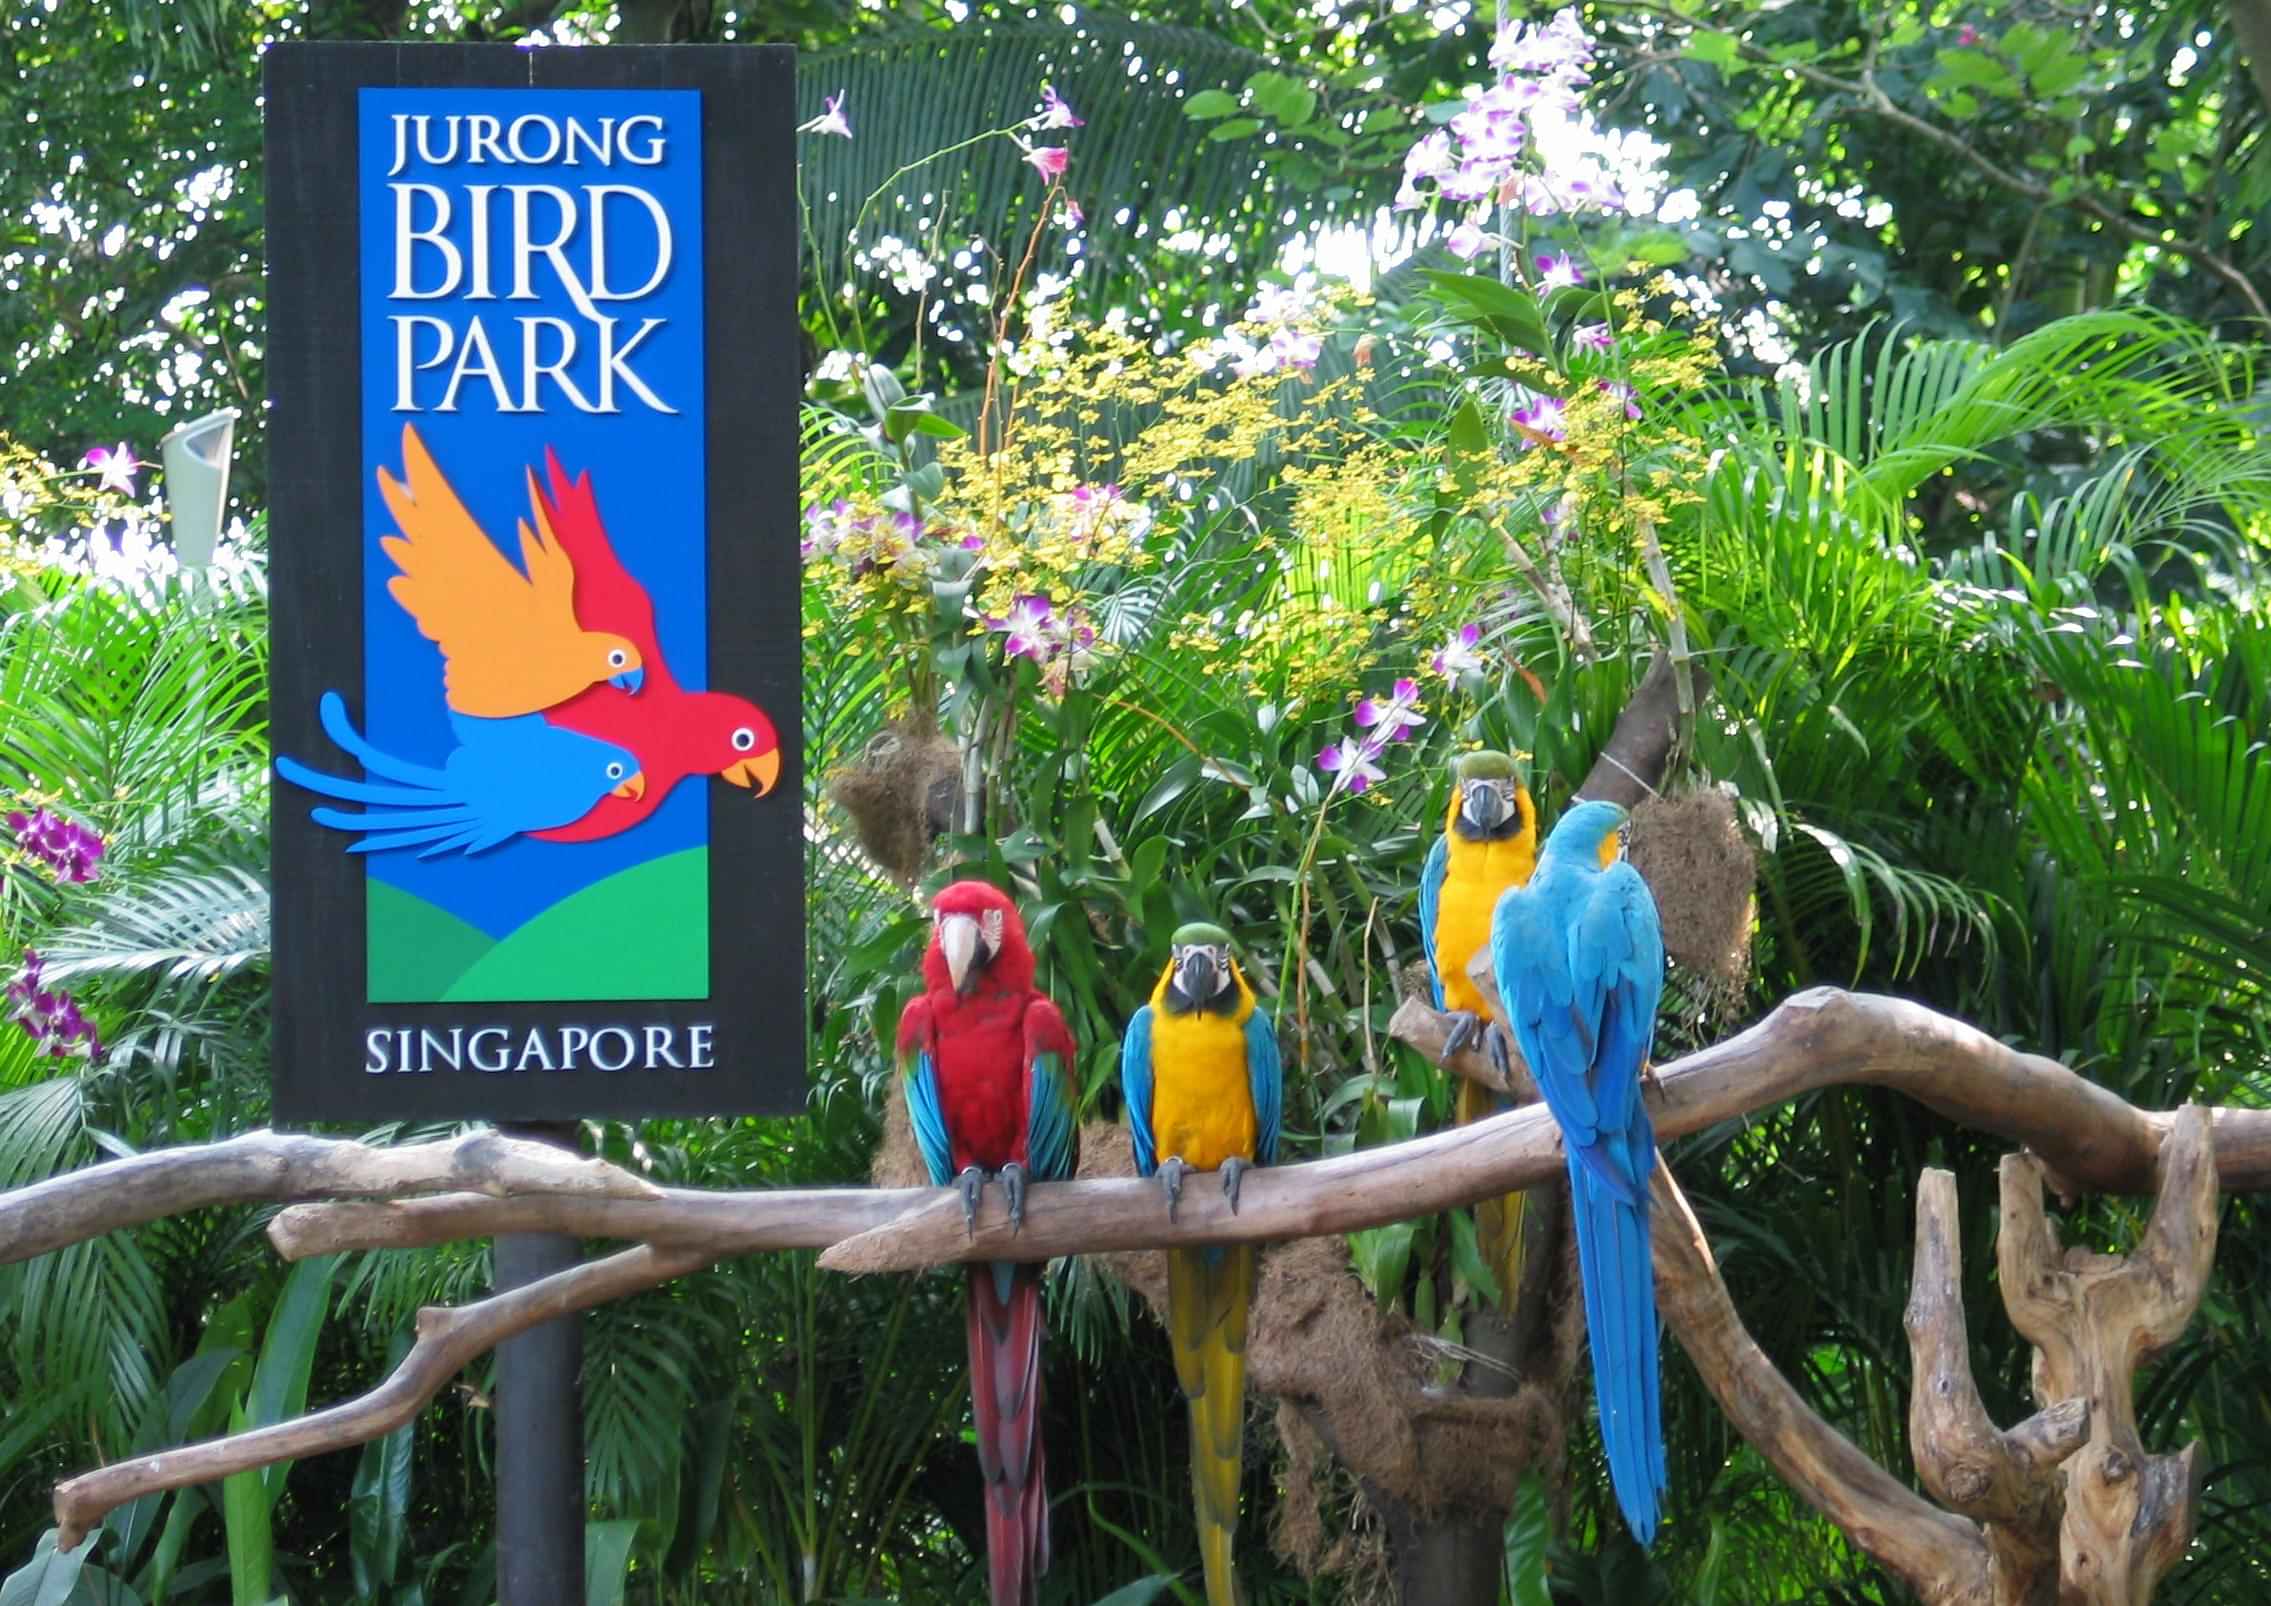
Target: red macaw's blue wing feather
pixel 1052 1097
pixel 1136 1086
pixel 1580 966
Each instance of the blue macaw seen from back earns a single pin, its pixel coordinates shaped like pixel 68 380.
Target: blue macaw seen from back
pixel 1579 959
pixel 989 1066
pixel 1199 1066
pixel 1489 843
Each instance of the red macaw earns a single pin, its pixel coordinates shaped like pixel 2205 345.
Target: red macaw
pixel 674 732
pixel 989 1080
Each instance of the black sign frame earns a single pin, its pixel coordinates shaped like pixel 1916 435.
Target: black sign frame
pixel 755 1014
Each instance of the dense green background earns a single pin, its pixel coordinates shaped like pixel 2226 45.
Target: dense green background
pixel 1985 618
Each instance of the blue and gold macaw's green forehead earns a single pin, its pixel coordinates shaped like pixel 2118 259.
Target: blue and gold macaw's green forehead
pixel 1483 765
pixel 1199 934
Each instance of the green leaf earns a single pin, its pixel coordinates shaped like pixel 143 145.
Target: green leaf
pixel 1528 1531
pixel 246 1516
pixel 1466 1256
pixel 1210 103
pixel 607 1560
pixel 1140 1593
pixel 287 1355
pixel 1512 313
pixel 48 1579
pixel 1236 128
pixel 378 1504
pixel 1721 50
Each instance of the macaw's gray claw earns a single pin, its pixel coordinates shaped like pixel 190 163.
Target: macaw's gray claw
pixel 1466 1025
pixel 1172 1171
pixel 1648 1078
pixel 971 1183
pixel 1013 1183
pixel 1501 1060
pixel 1234 1171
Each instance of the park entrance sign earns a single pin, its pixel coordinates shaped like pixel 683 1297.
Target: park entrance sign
pixel 537 832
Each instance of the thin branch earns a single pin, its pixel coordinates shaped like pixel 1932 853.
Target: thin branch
pixel 448 1337
pixel 260 1167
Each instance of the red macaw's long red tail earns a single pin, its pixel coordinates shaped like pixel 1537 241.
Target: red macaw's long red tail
pixel 1004 1318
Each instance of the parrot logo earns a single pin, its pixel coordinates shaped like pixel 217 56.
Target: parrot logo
pixel 568 723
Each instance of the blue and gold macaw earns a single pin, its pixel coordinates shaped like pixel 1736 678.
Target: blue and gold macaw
pixel 1489 843
pixel 1579 959
pixel 1199 1066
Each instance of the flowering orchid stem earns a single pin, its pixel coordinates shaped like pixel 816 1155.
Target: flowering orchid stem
pixel 1660 573
pixel 1001 323
pixel 1293 968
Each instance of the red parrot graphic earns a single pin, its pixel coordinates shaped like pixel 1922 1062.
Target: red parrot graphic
pixel 674 732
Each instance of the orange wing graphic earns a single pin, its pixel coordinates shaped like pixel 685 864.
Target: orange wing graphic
pixel 509 639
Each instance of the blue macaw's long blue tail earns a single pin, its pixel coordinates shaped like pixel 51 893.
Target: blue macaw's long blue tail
pixel 1619 1278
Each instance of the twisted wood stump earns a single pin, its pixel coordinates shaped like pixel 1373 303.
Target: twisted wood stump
pixel 2094 1319
pixel 2071 1510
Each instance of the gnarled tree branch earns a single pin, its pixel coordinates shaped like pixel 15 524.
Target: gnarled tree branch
pixel 2007 1481
pixel 448 1338
pixel 1942 1557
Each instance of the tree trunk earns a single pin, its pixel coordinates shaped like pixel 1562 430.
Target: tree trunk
pixel 1446 1558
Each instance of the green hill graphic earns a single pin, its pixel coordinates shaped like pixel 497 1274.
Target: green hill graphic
pixel 641 933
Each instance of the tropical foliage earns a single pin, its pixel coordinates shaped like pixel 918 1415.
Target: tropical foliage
pixel 1158 584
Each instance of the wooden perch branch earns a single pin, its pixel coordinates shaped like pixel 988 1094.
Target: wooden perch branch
pixel 2093 1319
pixel 1821 1038
pixel 2007 1481
pixel 1942 1557
pixel 259 1167
pixel 448 1337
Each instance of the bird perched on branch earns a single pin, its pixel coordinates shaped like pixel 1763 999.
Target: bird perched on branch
pixel 1200 1069
pixel 990 1091
pixel 1579 960
pixel 1489 843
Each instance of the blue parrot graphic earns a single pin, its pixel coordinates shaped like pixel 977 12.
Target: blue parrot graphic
pixel 505 777
pixel 1579 957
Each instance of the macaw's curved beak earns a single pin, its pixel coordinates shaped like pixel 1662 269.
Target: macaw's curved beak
pixel 958 941
pixel 1196 974
pixel 759 772
pixel 634 788
pixel 1484 808
pixel 630 680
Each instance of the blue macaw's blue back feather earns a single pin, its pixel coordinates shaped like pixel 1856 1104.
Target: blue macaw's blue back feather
pixel 1579 959
pixel 1265 1074
pixel 929 1119
pixel 1051 1134
pixel 505 777
pixel 1135 1084
pixel 1430 904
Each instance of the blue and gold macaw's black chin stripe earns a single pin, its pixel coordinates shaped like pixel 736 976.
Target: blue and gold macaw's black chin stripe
pixel 1201 976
